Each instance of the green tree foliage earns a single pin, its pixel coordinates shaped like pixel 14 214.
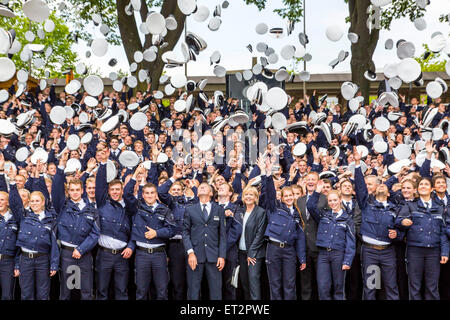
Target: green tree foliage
pixel 62 57
pixel 433 63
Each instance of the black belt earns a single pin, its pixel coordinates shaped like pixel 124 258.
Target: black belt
pixel 113 251
pixel 5 257
pixel 67 248
pixel 175 240
pixel 376 246
pixel 279 244
pixel 33 255
pixel 152 250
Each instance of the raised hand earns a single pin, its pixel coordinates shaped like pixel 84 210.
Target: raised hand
pixel 356 156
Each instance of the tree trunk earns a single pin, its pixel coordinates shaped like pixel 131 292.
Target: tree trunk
pixel 129 33
pixel 362 51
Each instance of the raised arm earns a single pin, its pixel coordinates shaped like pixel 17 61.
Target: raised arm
pixel 15 201
pixel 350 243
pixel 362 194
pixel 101 186
pixel 312 203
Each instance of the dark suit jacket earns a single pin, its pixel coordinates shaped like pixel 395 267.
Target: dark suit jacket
pixel 207 238
pixel 310 228
pixel 254 233
pixel 356 213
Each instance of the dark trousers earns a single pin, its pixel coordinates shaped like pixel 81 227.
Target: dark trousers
pixel 281 265
pixel 250 277
pixel 308 282
pixel 177 269
pixel 7 279
pixel 423 264
pixel 444 281
pixel 231 261
pixel 151 267
pixel 379 265
pixel 72 268
pixel 402 276
pixel 353 280
pixel 35 277
pixel 194 280
pixel 330 273
pixel 108 264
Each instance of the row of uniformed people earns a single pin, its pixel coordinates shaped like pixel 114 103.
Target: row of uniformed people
pixel 79 228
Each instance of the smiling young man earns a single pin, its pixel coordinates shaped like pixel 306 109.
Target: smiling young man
pixel 308 279
pixel 78 230
pixel 115 228
pixel 443 199
pixel 152 226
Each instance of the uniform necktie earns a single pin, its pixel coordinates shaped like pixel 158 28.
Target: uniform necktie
pixel 205 212
pixel 427 206
pixel 222 205
pixel 307 212
pixel 349 206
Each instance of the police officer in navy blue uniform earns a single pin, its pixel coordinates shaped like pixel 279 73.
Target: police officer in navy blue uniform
pixel 152 226
pixel 336 241
pixel 441 196
pixel 40 253
pixel 233 221
pixel 426 240
pixel 115 230
pixel 286 238
pixel 378 232
pixel 205 241
pixel 9 228
pixel 171 194
pixel 78 230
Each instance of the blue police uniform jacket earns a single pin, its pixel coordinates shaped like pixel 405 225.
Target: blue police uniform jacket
pixel 161 220
pixel 115 220
pixel 8 236
pixel 79 227
pixel 207 237
pixel 233 225
pixel 176 204
pixel 34 234
pixel 282 224
pixel 428 229
pixel 333 233
pixel 377 220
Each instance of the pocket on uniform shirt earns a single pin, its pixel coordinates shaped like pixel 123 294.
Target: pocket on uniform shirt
pixel 275 228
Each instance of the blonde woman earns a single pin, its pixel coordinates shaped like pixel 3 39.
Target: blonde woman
pixel 252 247
pixel 40 253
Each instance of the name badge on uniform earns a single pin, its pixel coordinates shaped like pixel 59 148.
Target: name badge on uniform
pixel 89 217
pixel 341 225
pixel 48 228
pixel 216 218
pixel 14 227
pixel 161 218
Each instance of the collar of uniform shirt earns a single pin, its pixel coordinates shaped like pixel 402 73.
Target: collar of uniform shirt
pixel 225 204
pixel 339 213
pixel 384 203
pixel 208 205
pixel 7 215
pixel 81 204
pixel 41 215
pixel 429 202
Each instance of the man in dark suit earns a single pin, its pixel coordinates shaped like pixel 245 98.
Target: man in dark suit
pixel 233 222
pixel 308 277
pixel 205 240
pixel 354 285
